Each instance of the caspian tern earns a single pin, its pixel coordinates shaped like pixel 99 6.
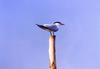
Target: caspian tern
pixel 51 27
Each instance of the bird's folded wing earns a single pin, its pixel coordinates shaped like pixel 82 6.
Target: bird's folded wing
pixel 43 27
pixel 53 27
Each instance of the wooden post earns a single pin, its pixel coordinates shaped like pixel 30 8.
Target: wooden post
pixel 52 55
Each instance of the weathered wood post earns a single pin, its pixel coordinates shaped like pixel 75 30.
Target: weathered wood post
pixel 52 50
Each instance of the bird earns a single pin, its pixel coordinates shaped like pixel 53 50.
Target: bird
pixel 54 27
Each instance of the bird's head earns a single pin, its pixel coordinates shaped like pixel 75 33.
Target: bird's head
pixel 58 23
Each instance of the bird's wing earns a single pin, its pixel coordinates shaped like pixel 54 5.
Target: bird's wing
pixel 41 26
pixel 52 27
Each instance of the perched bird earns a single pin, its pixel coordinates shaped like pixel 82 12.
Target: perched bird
pixel 51 27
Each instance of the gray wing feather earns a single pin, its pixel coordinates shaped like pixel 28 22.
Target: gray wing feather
pixel 52 27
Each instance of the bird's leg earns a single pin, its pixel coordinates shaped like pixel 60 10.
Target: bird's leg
pixel 50 33
pixel 53 33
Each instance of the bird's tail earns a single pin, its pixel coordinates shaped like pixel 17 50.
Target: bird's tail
pixel 41 26
pixel 37 24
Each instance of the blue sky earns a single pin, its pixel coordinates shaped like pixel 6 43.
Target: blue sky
pixel 24 46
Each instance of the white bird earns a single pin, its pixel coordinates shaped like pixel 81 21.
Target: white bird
pixel 51 27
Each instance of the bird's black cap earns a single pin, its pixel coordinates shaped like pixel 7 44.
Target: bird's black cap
pixel 58 22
